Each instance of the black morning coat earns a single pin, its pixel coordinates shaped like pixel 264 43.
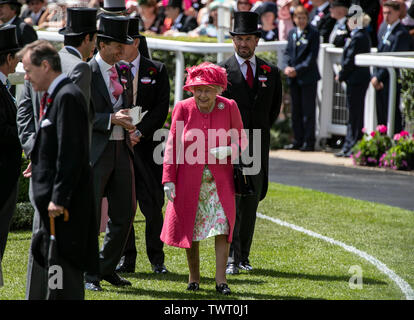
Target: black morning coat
pixel 259 107
pixel 360 42
pixel 153 95
pixel 11 151
pixel 61 173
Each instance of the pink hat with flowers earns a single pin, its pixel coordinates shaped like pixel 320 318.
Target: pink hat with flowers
pixel 206 73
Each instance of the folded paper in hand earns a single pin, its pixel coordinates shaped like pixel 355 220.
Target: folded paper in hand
pixel 136 114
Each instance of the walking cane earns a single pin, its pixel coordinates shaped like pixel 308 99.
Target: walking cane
pixel 52 258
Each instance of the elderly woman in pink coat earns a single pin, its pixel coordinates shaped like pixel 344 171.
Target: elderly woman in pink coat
pixel 205 137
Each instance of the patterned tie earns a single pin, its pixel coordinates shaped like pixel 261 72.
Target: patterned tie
pixel 43 105
pixel 116 87
pixel 249 74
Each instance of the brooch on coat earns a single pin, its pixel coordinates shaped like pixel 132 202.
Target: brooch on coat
pixel 220 106
pixel 263 78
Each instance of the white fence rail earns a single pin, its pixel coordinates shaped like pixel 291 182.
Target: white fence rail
pixel 331 112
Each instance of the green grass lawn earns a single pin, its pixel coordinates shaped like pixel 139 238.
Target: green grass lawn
pixel 287 264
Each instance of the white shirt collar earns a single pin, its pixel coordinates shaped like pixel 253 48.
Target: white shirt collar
pixel 323 6
pixel 76 50
pixel 342 20
pixel 102 64
pixel 394 24
pixel 135 63
pixel 55 83
pixel 178 18
pixel 10 21
pixel 241 61
pixel 3 78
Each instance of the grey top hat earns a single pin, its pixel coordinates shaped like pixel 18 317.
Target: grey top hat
pixel 79 21
pixel 8 39
pixel 245 23
pixel 114 28
pixel 114 6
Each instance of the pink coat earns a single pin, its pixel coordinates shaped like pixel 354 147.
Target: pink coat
pixel 184 166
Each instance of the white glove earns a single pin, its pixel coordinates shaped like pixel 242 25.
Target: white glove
pixel 169 189
pixel 221 152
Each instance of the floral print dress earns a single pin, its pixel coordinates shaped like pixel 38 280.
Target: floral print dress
pixel 210 217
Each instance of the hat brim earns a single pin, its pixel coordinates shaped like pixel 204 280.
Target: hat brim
pixel 114 11
pixel 68 32
pixel 14 50
pixel 127 40
pixel 187 87
pixel 256 33
pixel 11 2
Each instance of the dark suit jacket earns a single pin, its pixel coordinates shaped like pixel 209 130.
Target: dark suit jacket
pixel 398 40
pixel 103 108
pixel 259 111
pixel 25 33
pixel 325 24
pixel 342 33
pixel 186 23
pixel 153 96
pixel 61 173
pixel 360 42
pixel 302 55
pixel 11 151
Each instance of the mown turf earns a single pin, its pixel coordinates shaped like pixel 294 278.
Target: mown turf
pixel 287 264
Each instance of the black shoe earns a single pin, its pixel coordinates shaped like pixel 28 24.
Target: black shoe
pixel 340 154
pixel 125 268
pixel 292 146
pixel 159 268
pixel 116 280
pixel 93 286
pixel 232 269
pixel 223 288
pixel 306 147
pixel 245 266
pixel 344 154
pixel 193 286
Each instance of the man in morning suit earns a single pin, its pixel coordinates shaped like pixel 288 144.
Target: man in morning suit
pixel 256 87
pixel 9 14
pixel 79 44
pixel 340 31
pixel 79 40
pixel 11 150
pixel 320 18
pixel 112 154
pixel 392 37
pixel 148 87
pixel 357 80
pixel 61 174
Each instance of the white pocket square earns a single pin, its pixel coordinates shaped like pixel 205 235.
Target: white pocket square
pixel 45 123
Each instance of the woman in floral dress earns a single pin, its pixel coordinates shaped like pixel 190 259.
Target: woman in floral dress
pixel 206 135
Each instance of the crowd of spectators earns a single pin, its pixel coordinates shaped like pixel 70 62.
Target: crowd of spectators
pixel 200 17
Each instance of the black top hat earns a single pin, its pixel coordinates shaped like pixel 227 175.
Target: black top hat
pixel 10 2
pixel 79 21
pixel 245 23
pixel 8 39
pixel 175 4
pixel 341 3
pixel 114 28
pixel 114 6
pixel 133 27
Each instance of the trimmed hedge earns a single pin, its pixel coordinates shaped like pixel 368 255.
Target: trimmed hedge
pixel 23 217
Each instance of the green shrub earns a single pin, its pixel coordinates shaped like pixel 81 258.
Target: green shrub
pixel 23 217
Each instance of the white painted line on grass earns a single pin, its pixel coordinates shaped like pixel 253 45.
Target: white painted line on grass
pixel 401 283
